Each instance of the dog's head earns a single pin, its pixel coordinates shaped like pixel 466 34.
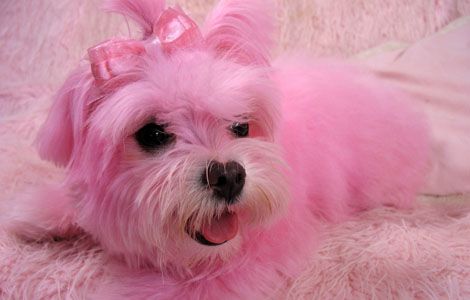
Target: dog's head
pixel 169 141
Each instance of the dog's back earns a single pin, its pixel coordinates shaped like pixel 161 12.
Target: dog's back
pixel 351 142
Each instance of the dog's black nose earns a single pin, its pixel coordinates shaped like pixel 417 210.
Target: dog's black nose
pixel 226 180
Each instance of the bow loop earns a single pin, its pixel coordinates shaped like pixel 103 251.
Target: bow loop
pixel 175 30
pixel 114 57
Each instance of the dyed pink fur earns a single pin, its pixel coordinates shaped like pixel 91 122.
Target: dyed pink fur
pixel 326 140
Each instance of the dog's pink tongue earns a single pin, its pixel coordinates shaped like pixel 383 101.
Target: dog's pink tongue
pixel 222 229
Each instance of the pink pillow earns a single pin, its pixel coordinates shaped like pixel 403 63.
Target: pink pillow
pixel 436 73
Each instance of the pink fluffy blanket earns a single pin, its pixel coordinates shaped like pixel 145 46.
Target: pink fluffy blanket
pixel 382 254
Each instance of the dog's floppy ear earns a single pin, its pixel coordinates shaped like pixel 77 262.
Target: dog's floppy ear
pixel 241 30
pixel 63 127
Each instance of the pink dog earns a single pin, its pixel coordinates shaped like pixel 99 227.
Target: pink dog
pixel 203 169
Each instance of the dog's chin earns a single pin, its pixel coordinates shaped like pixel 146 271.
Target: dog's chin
pixel 216 231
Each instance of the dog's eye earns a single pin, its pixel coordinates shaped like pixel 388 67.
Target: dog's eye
pixel 152 136
pixel 240 129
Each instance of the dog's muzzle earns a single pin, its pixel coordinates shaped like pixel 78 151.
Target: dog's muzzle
pixel 226 181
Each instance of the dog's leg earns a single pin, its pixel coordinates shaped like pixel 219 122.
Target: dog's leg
pixel 42 213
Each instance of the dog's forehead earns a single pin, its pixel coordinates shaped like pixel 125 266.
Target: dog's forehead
pixel 197 81
pixel 175 88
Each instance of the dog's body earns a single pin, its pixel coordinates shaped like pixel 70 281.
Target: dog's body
pixel 204 171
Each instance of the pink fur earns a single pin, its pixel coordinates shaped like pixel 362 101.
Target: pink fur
pixel 144 12
pixel 327 140
pixel 241 30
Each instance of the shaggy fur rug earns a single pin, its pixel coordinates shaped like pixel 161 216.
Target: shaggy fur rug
pixel 382 254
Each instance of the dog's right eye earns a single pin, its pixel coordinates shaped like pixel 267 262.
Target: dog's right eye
pixel 153 136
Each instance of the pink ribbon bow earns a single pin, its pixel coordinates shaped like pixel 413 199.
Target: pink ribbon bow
pixel 173 30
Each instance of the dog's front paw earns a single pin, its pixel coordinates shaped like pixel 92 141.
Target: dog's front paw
pixel 37 214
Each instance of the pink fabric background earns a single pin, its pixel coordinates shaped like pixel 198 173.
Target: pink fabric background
pixel 420 254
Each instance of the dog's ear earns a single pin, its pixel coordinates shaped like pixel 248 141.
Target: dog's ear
pixel 63 127
pixel 241 30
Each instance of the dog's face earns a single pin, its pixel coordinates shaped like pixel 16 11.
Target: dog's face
pixel 173 163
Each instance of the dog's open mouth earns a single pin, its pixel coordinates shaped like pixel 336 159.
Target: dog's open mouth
pixel 220 230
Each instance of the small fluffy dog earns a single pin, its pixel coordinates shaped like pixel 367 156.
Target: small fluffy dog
pixel 204 169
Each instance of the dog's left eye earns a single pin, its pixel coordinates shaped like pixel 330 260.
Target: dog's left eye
pixel 153 136
pixel 240 129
